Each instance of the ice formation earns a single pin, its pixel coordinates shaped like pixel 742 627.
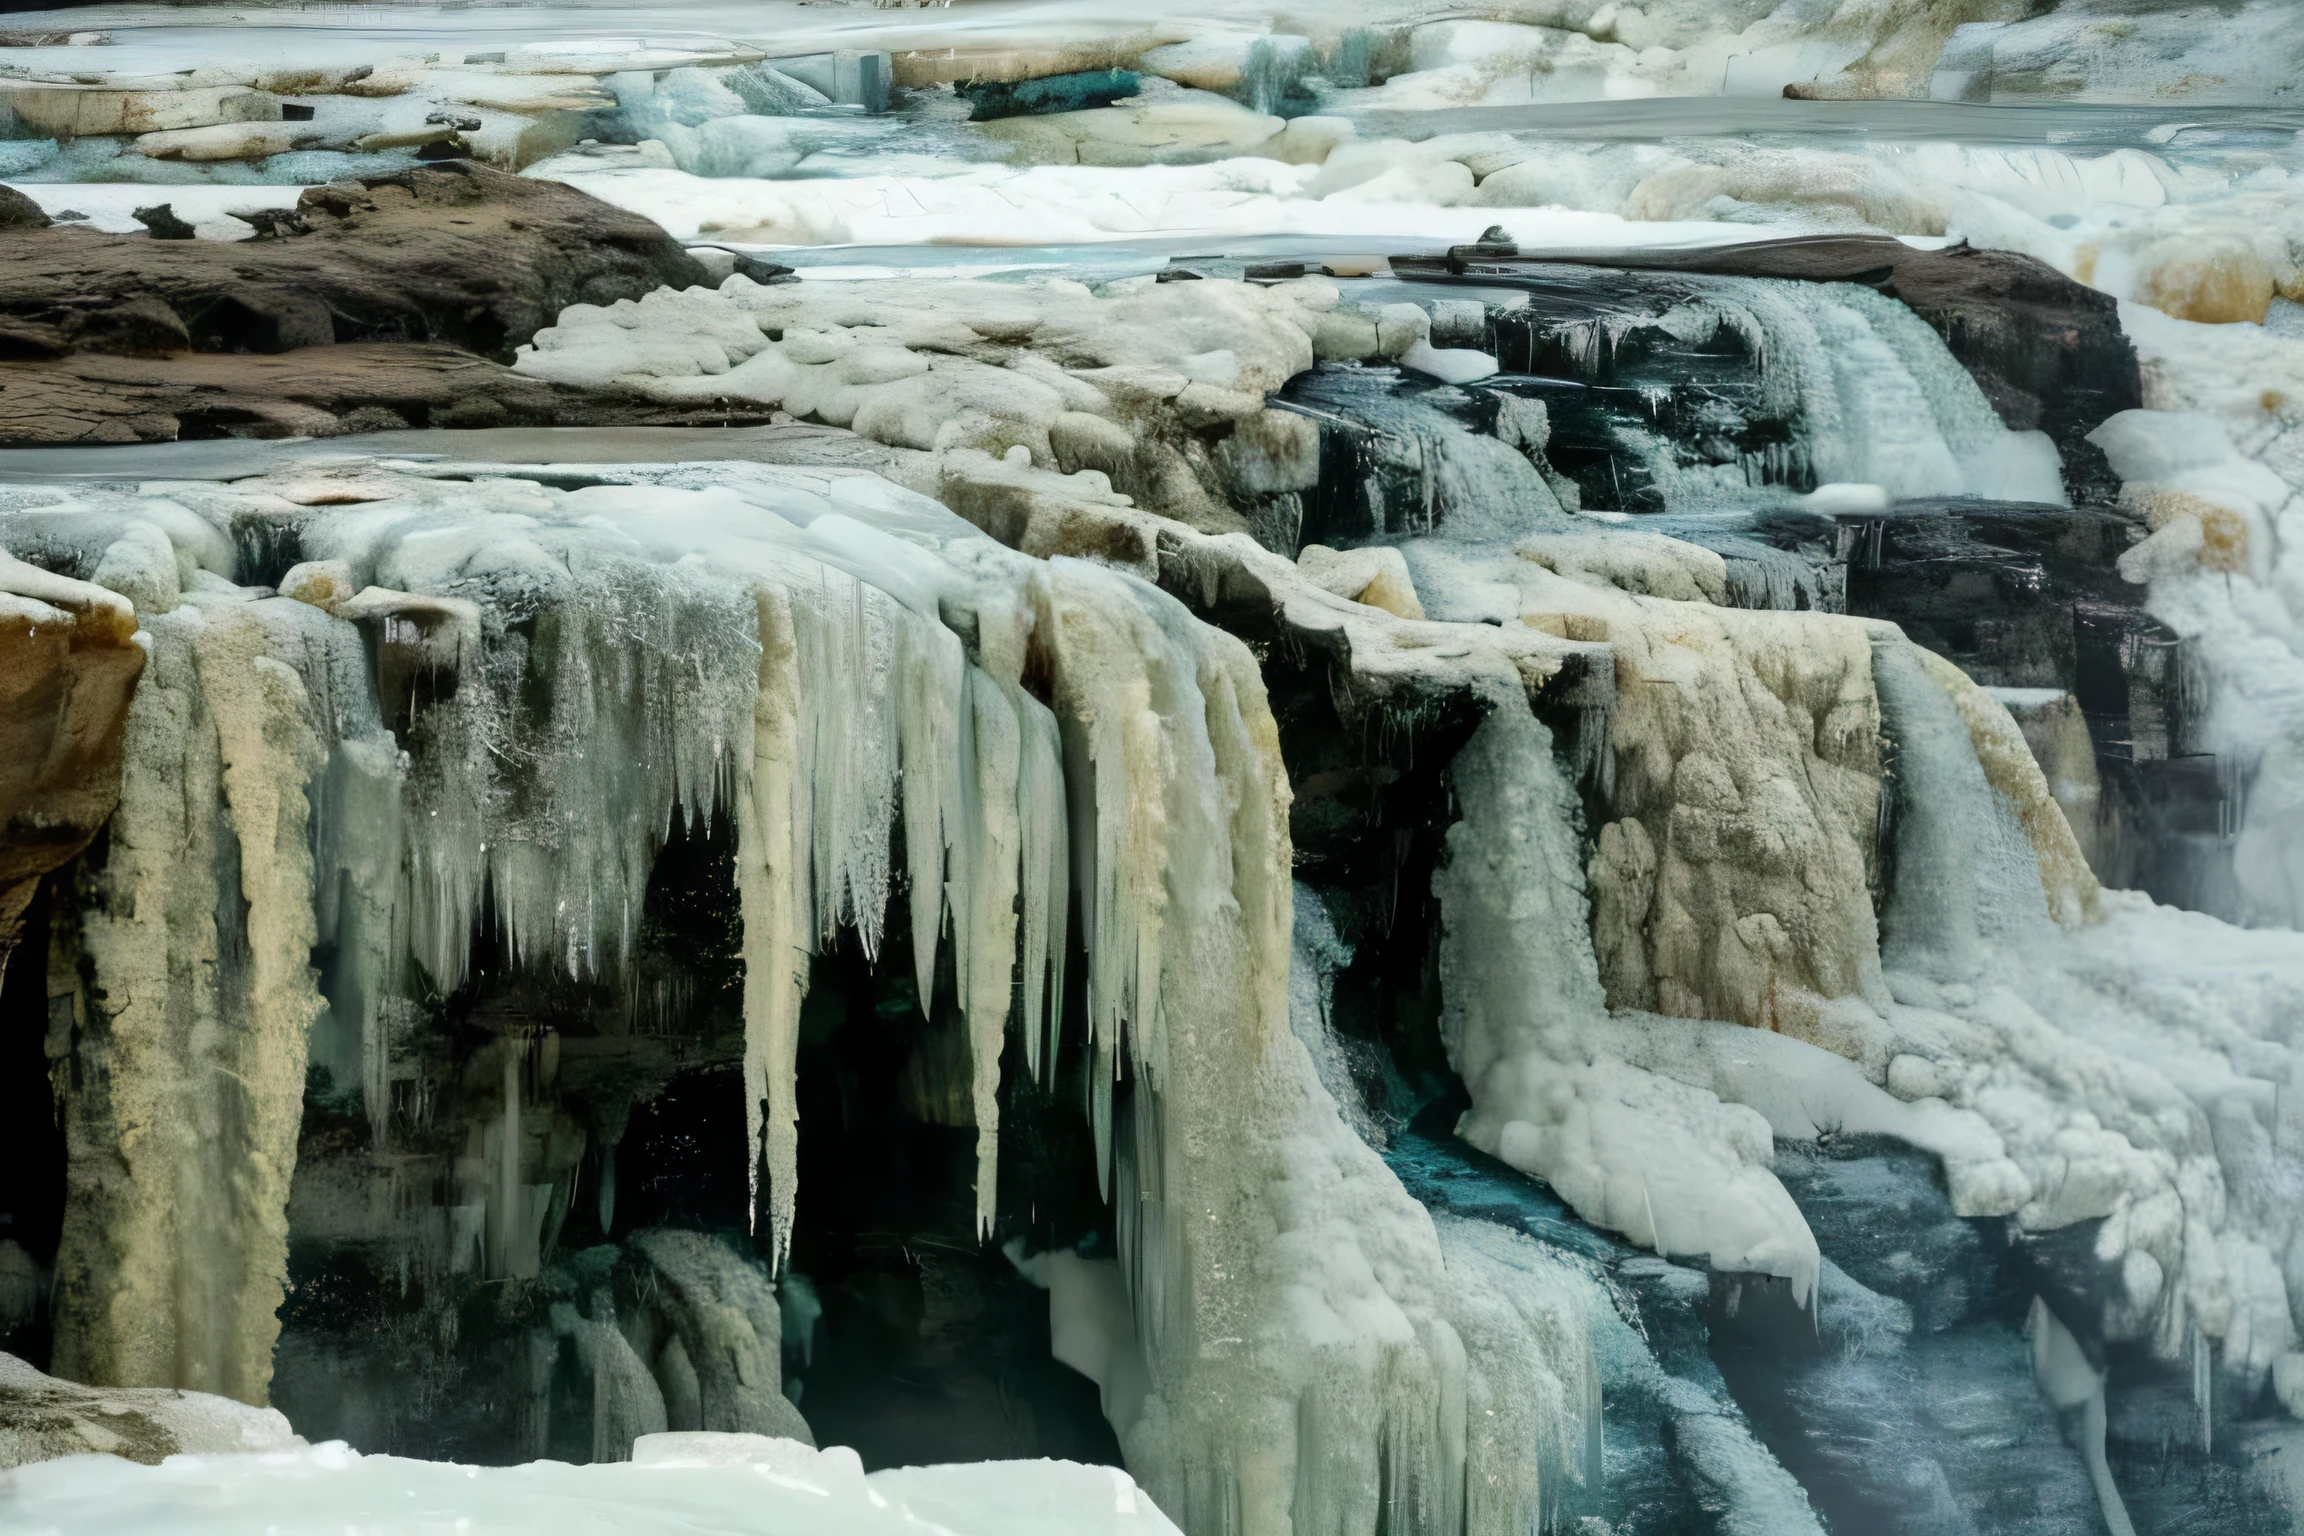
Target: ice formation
pixel 817 605
pixel 881 649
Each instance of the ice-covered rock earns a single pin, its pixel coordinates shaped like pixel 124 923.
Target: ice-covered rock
pixel 81 111
pixel 225 141
pixel 1132 384
pixel 43 1419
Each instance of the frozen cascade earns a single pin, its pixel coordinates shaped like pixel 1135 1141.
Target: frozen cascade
pixel 1671 1440
pixel 1880 400
pixel 1669 1165
pixel 2214 466
pixel 1358 1074
pixel 2080 1033
pixel 1360 1403
pixel 499 863
pixel 1806 384
pixel 832 606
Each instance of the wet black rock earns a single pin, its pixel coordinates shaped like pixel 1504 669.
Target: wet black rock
pixel 2047 351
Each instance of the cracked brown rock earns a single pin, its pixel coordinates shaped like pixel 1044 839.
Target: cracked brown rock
pixel 391 294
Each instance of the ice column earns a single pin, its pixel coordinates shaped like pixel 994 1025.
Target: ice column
pixel 175 1244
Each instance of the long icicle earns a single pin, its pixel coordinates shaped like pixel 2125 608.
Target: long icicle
pixel 773 898
pixel 991 769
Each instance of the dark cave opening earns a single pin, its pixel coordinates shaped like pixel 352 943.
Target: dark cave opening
pixel 904 1336
pixel 32 1143
pixel 932 1346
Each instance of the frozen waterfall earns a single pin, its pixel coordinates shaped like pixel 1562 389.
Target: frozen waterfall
pixel 1262 774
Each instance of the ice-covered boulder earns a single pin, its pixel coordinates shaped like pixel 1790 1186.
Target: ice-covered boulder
pixel 42 1418
pixel 1172 128
pixel 1144 382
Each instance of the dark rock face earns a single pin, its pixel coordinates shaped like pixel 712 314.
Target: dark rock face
pixel 988 99
pixel 430 273
pixel 2047 351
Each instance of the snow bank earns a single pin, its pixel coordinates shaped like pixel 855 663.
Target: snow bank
pixel 112 208
pixel 1077 205
pixel 708 1484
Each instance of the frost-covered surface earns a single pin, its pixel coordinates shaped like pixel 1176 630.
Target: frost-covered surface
pixel 711 1484
pixel 1064 205
pixel 1160 391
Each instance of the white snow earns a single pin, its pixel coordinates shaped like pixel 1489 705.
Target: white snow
pixel 112 208
pixel 700 1483
pixel 1073 205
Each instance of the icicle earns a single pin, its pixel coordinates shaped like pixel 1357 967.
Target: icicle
pixel 1595 1428
pixel 269 753
pixel 187 1255
pixel 991 773
pixel 931 683
pixel 1046 880
pixel 2203 1395
pixel 2071 1382
pixel 846 659
pixel 605 1203
pixel 774 900
pixel 510 1258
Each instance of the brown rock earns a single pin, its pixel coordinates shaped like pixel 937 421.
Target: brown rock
pixel 97 398
pixel 450 252
pixel 68 667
